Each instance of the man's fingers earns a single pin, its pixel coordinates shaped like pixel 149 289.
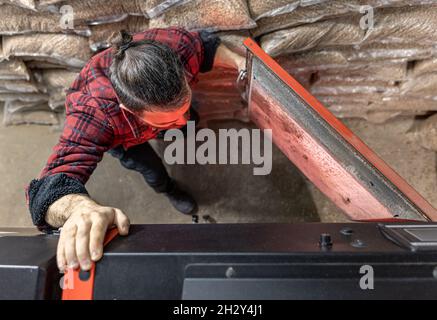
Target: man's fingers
pixel 83 244
pixel 82 237
pixel 97 236
pixel 60 256
pixel 122 222
pixel 70 247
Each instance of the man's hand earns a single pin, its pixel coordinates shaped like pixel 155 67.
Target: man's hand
pixel 83 233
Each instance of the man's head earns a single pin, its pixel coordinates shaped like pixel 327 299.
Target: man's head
pixel 149 80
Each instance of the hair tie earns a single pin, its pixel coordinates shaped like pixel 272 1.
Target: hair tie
pixel 126 46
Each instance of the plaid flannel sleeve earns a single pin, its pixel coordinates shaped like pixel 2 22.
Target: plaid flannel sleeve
pixel 86 136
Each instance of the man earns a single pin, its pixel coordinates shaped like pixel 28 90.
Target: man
pixel 123 97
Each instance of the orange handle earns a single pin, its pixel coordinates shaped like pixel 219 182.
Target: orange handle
pixel 79 285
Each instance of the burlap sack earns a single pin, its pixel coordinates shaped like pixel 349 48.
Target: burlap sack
pixel 426 133
pixel 154 8
pixel 102 35
pixel 352 73
pixel 98 11
pixel 335 102
pixel 13 70
pixel 302 15
pixel 424 85
pixel 16 20
pixel 38 117
pixel 37 114
pixel 391 25
pixel 425 66
pixel 376 111
pixel 365 55
pixel 234 40
pixel 43 3
pixel 38 64
pixel 137 24
pixel 368 102
pixel 377 117
pixel 370 72
pixel 18 86
pixel 416 24
pixel 70 50
pixel 269 8
pixel 347 88
pixel 19 106
pixel 110 11
pixel 405 104
pixel 213 15
pixel 27 97
pixel 329 9
pixel 272 8
pixel 323 34
pixel 313 60
pixel 57 99
pixel 2 55
pixel 28 4
pixel 58 79
pixel 56 82
pixel 389 51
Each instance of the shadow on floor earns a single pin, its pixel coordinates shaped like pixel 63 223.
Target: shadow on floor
pixel 232 193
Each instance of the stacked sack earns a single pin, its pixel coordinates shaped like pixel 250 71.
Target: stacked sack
pixel 35 44
pixel 375 72
pixel 358 69
pixel 216 92
pixel 45 44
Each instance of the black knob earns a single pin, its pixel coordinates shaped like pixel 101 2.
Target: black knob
pixel 325 240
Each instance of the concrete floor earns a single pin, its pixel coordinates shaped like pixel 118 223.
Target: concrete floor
pixel 227 193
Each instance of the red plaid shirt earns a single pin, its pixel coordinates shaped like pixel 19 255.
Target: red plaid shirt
pixel 94 121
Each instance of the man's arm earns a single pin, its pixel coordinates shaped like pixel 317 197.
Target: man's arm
pixel 59 198
pixel 85 137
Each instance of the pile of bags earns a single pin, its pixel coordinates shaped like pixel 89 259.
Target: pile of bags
pixel 369 59
pixel 45 43
pixel 373 59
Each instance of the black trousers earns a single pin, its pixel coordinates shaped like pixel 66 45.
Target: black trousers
pixel 143 158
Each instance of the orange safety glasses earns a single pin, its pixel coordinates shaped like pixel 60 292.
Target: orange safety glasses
pixel 165 119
